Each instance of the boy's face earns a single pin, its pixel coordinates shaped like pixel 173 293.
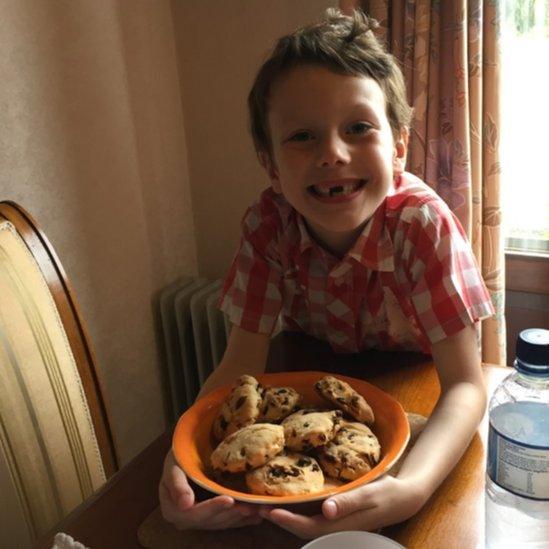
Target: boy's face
pixel 333 152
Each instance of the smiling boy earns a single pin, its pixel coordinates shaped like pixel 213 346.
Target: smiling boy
pixel 333 156
pixel 348 247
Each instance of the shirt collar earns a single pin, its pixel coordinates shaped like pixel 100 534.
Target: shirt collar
pixel 305 240
pixel 373 248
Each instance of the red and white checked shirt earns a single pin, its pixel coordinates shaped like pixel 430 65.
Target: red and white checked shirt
pixel 409 280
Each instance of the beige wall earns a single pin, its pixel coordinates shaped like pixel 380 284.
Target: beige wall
pixel 92 143
pixel 124 133
pixel 220 46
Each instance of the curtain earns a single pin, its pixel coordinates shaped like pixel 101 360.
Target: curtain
pixel 449 53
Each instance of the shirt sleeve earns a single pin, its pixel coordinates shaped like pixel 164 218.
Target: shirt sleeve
pixel 447 290
pixel 251 295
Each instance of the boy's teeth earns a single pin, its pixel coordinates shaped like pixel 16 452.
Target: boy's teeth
pixel 337 190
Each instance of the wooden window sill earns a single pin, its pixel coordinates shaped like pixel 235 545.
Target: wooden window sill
pixel 527 273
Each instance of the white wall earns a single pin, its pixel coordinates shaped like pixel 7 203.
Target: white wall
pixel 92 144
pixel 220 46
pixel 124 133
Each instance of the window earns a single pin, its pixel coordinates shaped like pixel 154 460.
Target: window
pixel 524 141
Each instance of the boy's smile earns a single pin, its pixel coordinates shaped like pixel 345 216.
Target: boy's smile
pixel 333 152
pixel 340 190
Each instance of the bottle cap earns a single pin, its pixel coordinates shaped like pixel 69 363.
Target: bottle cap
pixel 533 352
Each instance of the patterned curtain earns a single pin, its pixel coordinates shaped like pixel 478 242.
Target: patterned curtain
pixel 449 53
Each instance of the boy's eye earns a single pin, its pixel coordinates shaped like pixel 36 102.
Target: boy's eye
pixel 359 128
pixel 301 136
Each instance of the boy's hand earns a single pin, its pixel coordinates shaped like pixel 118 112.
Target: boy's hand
pixel 446 435
pixel 383 502
pixel 246 353
pixel 178 506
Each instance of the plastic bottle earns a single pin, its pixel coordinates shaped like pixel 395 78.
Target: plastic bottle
pixel 517 476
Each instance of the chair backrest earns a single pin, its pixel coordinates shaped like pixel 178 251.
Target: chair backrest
pixel 56 446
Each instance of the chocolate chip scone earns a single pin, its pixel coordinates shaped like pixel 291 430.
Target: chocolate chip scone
pixel 345 397
pixel 307 429
pixel 352 453
pixel 277 403
pixel 249 447
pixel 417 423
pixel 240 408
pixel 285 475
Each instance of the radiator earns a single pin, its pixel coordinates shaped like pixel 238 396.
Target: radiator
pixel 194 333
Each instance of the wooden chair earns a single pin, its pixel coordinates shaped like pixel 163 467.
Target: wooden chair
pixel 56 446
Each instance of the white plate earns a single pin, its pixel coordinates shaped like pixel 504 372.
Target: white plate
pixel 353 540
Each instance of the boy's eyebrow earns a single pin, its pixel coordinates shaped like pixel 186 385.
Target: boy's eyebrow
pixel 298 119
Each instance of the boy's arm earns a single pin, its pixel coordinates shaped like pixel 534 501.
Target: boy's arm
pixel 246 353
pixel 444 440
pixel 457 414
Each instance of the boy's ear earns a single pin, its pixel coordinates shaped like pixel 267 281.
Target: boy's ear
pixel 400 151
pixel 268 165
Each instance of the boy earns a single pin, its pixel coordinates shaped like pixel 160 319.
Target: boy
pixel 349 248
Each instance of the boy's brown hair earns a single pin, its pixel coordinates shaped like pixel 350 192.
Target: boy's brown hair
pixel 344 44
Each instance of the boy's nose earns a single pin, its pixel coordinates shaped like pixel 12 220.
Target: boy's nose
pixel 333 151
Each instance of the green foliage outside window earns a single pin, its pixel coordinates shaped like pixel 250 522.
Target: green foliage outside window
pixel 523 14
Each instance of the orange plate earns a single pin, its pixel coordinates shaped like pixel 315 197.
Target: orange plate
pixel 192 445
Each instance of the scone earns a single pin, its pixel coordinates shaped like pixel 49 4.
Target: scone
pixel 345 397
pixel 249 447
pixel 417 423
pixel 352 453
pixel 307 429
pixel 239 409
pixel 286 475
pixel 277 403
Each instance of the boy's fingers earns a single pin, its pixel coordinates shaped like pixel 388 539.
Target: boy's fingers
pixel 175 481
pixel 171 509
pixel 344 504
pixel 256 519
pixel 233 518
pixel 299 525
pixel 185 500
pixel 178 505
pixel 207 514
pixel 312 527
pixel 181 493
pixel 359 499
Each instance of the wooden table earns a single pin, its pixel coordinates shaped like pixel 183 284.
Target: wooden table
pixel 453 517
